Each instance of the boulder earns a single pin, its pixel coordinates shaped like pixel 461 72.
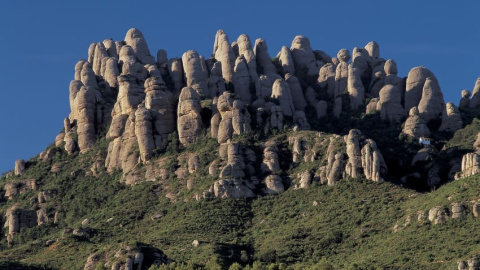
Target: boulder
pixel 476 209
pixel 415 126
pixel 457 210
pixel 465 100
pixel 372 105
pixel 274 184
pixel 13 189
pixel 390 67
pixel 343 56
pixel 232 188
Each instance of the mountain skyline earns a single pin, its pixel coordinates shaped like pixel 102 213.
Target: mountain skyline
pixel 46 40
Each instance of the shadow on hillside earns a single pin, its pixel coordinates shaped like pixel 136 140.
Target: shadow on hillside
pixel 19 266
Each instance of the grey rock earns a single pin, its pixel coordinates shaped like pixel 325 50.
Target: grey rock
pixel 286 61
pixel 475 101
pixel 414 88
pixel 451 119
pixel 189 123
pixel 321 109
pixel 19 166
pixel 343 56
pixel 134 38
pixel 431 104
pixel 415 126
pixel 274 184
pixel 195 74
pixel 390 104
pixel 223 52
pixel 264 61
pixel 281 91
pixel 296 91
pixel 326 78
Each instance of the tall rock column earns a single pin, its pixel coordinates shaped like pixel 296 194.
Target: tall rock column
pixel 264 62
pixel 372 162
pixel 281 91
pixel 354 165
pixel 189 123
pixel 431 104
pixel 223 52
pixel 341 80
pixel 195 74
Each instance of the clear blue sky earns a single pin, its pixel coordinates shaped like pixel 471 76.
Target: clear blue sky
pixel 41 42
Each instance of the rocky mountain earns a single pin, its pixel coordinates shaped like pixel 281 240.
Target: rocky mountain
pixel 158 152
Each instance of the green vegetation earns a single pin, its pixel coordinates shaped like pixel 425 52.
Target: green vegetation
pixel 348 226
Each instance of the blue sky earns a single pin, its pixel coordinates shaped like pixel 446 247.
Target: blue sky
pixel 42 41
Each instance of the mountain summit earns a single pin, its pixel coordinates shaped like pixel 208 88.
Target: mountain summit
pixel 230 152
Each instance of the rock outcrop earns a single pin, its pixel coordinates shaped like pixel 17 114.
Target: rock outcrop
pixel 390 104
pixel 195 73
pixel 281 91
pixel 19 167
pixel 451 119
pixel 189 123
pixel 223 53
pixel 414 87
pixel 415 126
pixel 431 104
pixel 470 165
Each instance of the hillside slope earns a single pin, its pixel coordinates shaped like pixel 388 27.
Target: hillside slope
pixel 300 161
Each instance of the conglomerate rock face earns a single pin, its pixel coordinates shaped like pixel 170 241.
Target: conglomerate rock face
pixel 143 103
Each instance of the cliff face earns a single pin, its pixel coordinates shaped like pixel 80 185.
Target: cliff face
pixel 242 125
pixel 137 102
